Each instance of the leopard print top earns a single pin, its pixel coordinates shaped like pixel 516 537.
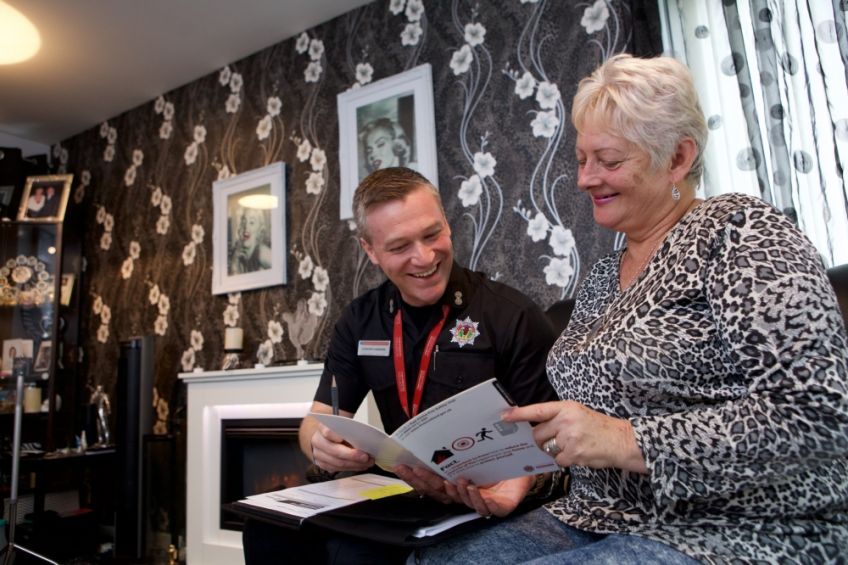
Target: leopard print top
pixel 728 356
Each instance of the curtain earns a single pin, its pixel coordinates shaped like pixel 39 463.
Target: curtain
pixel 773 81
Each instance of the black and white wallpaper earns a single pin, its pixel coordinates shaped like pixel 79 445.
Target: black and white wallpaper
pixel 504 72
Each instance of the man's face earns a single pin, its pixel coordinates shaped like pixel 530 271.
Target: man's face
pixel 410 242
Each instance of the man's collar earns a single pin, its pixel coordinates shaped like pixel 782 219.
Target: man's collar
pixel 458 292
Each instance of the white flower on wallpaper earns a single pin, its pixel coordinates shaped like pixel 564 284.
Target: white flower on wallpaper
pixel 312 72
pixel 104 129
pixel 475 34
pixel 160 326
pixel 112 136
pixel 274 106
pixel 187 360
pixel 234 298
pixel 265 352
pixel 224 76
pixel 196 340
pixel 100 216
pixel 470 191
pixel 320 279
pixel 85 180
pixel 537 228
pixel 231 315
pixel 135 249
pixel 562 241
pixel 263 129
pixel 224 173
pixel 97 305
pixel 461 60
pixel 102 310
pixel 190 155
pixel 304 269
pixel 165 205
pixel 159 104
pixel 200 133
pixel 164 304
pixel 156 197
pixel 126 268
pixel 163 224
pixel 232 104
pixel 317 303
pixel 103 333
pixel 189 253
pixel 106 240
pixel 484 164
pixel 137 157
pixel 595 17
pixel 153 295
pixel 364 73
pixel 314 183
pixel 547 95
pixel 558 272
pixel 161 425
pixel 411 34
pixel 108 222
pixel 545 124
pixel 397 6
pixel 85 177
pixel 109 153
pixel 129 176
pixel 168 111
pixel 197 233
pixel 105 314
pixel 236 82
pixel 316 49
pixel 304 150
pixel 275 331
pixel 302 43
pixel 414 10
pixel 166 129
pixel 318 159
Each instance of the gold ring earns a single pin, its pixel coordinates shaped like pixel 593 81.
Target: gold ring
pixel 551 448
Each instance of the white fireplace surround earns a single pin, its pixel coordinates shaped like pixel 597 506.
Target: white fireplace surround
pixel 270 392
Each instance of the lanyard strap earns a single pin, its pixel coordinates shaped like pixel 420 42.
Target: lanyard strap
pixel 400 364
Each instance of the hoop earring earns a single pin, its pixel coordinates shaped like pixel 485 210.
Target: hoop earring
pixel 675 193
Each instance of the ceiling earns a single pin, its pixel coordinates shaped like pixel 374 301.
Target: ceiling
pixel 100 58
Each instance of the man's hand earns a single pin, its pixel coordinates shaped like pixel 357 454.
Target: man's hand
pixel 332 453
pixel 498 499
pixel 425 483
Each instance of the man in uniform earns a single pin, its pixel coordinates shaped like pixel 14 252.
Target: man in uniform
pixel 458 328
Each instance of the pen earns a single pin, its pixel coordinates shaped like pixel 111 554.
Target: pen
pixel 334 396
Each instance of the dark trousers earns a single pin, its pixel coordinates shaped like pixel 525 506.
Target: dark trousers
pixel 267 544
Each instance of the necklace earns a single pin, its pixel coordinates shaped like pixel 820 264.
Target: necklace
pixel 625 283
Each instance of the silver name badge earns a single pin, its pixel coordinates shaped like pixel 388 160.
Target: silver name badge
pixel 373 348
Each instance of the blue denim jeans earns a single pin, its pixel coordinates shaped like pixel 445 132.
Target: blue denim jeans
pixel 539 538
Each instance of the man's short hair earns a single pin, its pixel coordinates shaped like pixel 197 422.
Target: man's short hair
pixel 386 185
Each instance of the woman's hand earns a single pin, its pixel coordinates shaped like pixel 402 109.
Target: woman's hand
pixel 425 483
pixel 585 437
pixel 498 499
pixel 331 453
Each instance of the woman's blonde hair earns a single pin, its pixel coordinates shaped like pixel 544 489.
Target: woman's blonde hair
pixel 649 102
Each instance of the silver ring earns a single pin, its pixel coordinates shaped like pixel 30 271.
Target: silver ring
pixel 551 448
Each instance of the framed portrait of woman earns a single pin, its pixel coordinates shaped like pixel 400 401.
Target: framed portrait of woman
pixel 249 230
pixel 388 123
pixel 44 198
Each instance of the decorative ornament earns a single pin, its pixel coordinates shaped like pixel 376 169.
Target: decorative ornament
pixel 465 332
pixel 675 193
pixel 457 298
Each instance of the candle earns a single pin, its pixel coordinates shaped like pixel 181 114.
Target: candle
pixel 32 399
pixel 233 338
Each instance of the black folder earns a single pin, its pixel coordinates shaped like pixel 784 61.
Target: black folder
pixel 392 520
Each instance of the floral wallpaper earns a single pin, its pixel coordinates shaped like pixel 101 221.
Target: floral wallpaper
pixel 504 72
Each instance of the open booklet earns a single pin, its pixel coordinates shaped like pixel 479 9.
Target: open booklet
pixel 461 437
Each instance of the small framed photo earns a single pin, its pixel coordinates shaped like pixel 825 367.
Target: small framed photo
pixel 249 230
pixel 13 349
pixel 389 123
pixel 45 198
pixel 42 360
pixel 67 289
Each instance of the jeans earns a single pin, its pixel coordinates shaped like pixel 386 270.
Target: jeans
pixel 539 538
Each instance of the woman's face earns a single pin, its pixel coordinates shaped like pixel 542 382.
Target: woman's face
pixel 250 228
pixel 628 195
pixel 38 194
pixel 379 151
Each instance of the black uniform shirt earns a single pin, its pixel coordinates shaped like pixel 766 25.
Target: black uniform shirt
pixel 510 342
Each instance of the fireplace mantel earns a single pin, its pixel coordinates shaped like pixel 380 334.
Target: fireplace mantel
pixel 268 392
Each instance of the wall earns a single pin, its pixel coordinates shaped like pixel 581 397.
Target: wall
pixel 143 180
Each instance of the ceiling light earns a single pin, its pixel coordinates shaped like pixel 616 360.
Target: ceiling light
pixel 19 38
pixel 258 201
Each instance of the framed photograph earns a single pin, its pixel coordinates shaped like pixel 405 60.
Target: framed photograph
pixel 42 360
pixel 45 198
pixel 388 123
pixel 67 289
pixel 12 349
pixel 249 230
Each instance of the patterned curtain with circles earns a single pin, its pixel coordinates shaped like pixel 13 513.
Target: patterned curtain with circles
pixel 773 80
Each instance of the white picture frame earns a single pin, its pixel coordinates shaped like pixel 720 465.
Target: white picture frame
pixel 249 234
pixel 398 110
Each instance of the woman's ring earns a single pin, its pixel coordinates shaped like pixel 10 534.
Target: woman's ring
pixel 551 448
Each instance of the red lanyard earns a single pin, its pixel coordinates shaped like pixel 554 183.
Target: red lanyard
pixel 400 365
